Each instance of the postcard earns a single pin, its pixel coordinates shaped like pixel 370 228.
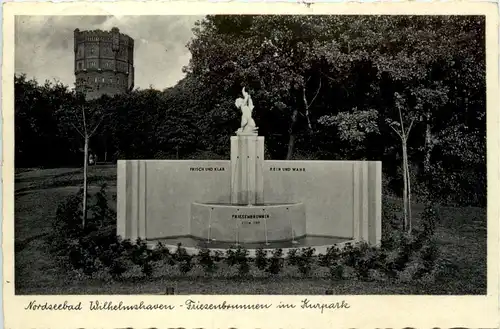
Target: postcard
pixel 250 165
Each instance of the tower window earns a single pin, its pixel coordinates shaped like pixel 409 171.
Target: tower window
pixel 102 79
pixel 95 79
pixel 79 66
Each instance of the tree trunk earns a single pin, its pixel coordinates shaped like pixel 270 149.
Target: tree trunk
pixel 408 186
pixel 85 168
pixel 429 145
pixel 405 188
pixel 291 140
pixel 291 146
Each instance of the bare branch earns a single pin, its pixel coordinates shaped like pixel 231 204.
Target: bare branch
pixel 401 120
pixel 95 128
pixel 397 132
pixel 326 76
pixel 304 96
pixel 409 129
pixel 78 130
pixel 317 92
pixel 84 121
pixel 332 79
pixel 309 121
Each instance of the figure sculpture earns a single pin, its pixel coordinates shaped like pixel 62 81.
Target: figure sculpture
pixel 245 104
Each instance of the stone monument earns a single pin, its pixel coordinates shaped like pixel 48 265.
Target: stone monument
pixel 249 200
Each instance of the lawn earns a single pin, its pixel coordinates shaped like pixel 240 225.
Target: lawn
pixel 461 234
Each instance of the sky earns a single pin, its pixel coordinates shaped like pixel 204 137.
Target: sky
pixel 44 46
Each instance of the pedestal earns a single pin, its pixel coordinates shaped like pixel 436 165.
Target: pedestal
pixel 247 166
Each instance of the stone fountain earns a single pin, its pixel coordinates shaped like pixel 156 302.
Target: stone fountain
pixel 248 200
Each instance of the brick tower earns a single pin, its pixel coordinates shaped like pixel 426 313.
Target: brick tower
pixel 104 62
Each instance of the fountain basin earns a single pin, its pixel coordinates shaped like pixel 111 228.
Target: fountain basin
pixel 192 245
pixel 264 223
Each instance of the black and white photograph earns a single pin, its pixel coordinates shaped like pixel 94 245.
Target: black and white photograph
pixel 238 154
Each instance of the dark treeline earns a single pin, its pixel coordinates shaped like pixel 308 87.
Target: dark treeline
pixel 324 87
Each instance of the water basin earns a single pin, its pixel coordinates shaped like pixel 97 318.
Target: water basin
pixel 320 243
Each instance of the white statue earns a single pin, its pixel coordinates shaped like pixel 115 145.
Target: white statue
pixel 246 106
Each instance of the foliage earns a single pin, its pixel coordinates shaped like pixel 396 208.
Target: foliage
pixel 324 87
pixel 402 256
pixel 261 258
pixel 66 225
pixel 276 262
pixel 238 257
pixel 332 255
pixel 362 258
pixel 336 270
pixel 183 259
pixel 391 222
pixel 302 260
pixel 429 220
pixel 102 214
pixel 207 261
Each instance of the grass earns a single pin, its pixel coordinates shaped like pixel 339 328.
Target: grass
pixel 461 234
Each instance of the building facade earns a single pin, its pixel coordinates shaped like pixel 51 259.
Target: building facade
pixel 104 62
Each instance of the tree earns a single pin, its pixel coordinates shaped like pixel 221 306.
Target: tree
pixel 275 57
pixel 405 114
pixel 38 141
pixel 354 126
pixel 85 118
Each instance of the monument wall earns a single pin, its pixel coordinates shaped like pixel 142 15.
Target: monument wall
pixel 340 198
pixel 333 192
pixel 162 191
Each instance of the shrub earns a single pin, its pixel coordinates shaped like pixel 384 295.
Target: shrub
pixel 116 258
pixel 397 255
pixel 102 214
pixel 161 253
pixel 362 258
pixel 238 257
pixel 142 256
pixel 67 223
pixel 292 257
pixel 336 270
pixel 183 259
pixel 206 260
pixel 261 259
pixel 331 257
pixel 81 259
pixel 370 260
pixel 391 221
pixel 351 253
pixel 275 263
pixel 118 266
pixel 304 261
pixel 429 255
pixel 429 220
pixel 218 255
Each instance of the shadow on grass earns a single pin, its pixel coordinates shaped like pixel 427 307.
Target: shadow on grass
pixel 65 183
pixel 20 245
